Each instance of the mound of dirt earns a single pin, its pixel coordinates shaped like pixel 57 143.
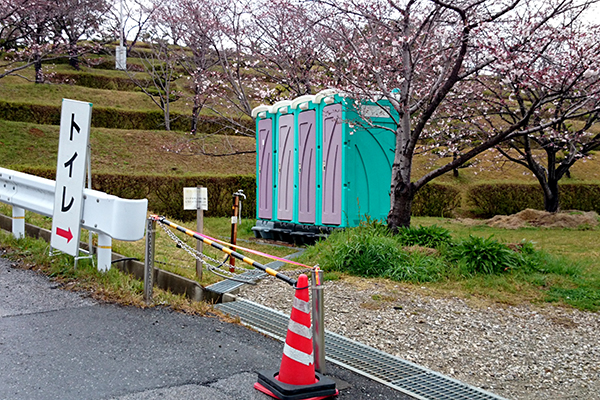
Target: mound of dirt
pixel 537 218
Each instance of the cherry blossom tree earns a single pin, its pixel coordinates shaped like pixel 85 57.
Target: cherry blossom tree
pixel 32 35
pixel 11 27
pixel 558 75
pixel 138 15
pixel 159 76
pixel 38 31
pixel 193 31
pixel 421 56
pixel 286 46
pixel 78 19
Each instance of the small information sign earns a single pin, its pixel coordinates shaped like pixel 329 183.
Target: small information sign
pixel 195 198
pixel 71 166
pixel 372 111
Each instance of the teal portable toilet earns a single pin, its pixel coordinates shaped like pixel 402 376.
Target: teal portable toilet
pixel 357 159
pixel 323 162
pixel 265 160
pixel 285 161
pixel 305 194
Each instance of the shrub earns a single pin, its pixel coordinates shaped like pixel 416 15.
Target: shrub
pixel 94 81
pixel 418 267
pixel 435 200
pixel 104 117
pixel 426 236
pixel 372 251
pixel 479 255
pixel 488 200
pixel 165 193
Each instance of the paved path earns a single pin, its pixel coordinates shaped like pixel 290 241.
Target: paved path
pixel 56 344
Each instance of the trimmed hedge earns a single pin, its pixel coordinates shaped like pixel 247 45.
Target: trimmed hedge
pixel 94 81
pixel 115 119
pixel 487 200
pixel 434 200
pixel 165 195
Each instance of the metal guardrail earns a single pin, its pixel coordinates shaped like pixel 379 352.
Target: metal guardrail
pixel 110 216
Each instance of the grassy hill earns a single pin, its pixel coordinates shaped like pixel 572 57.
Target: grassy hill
pixel 178 153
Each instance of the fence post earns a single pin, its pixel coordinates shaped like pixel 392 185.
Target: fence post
pixel 18 222
pixel 199 229
pixel 149 260
pixel 104 251
pixel 318 327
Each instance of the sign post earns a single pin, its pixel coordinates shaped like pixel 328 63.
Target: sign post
pixel 71 168
pixel 197 199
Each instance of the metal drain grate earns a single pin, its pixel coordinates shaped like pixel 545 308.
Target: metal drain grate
pixel 227 285
pixel 409 378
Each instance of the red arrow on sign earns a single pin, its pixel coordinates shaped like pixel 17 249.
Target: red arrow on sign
pixel 66 234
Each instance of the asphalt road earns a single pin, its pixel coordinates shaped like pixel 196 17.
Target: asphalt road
pixel 56 344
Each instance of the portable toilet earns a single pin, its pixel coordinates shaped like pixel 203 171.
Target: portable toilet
pixel 265 160
pixel 323 162
pixel 285 158
pixel 358 143
pixel 305 112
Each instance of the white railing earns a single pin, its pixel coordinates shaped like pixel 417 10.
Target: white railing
pixel 111 217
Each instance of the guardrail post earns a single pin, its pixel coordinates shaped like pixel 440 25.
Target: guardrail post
pixel 104 252
pixel 149 259
pixel 18 222
pixel 318 327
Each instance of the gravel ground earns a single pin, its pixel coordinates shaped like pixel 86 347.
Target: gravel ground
pixel 517 352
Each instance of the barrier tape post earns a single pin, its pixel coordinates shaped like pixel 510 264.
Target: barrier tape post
pixel 318 320
pixel 199 228
pixel 234 226
pixel 149 259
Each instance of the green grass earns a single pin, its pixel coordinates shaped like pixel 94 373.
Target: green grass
pixel 111 286
pixel 483 263
pixel 128 152
pixel 174 259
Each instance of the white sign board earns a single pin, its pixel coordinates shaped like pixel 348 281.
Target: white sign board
pixel 373 111
pixel 71 166
pixel 195 198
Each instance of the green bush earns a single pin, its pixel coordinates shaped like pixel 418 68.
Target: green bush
pixel 165 193
pixel 373 251
pixel 426 236
pixel 419 267
pixel 488 200
pixel 94 81
pixel 435 200
pixel 118 119
pixel 582 197
pixel 479 255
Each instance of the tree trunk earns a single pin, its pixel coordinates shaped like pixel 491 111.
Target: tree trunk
pixel 167 116
pixel 196 109
pixel 73 57
pixel 39 74
pixel 551 198
pixel 455 170
pixel 401 206
pixel 194 120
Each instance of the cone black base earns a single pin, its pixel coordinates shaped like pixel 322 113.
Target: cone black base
pixel 323 387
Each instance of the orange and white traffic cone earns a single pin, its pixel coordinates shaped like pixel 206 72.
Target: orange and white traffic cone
pixel 296 378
